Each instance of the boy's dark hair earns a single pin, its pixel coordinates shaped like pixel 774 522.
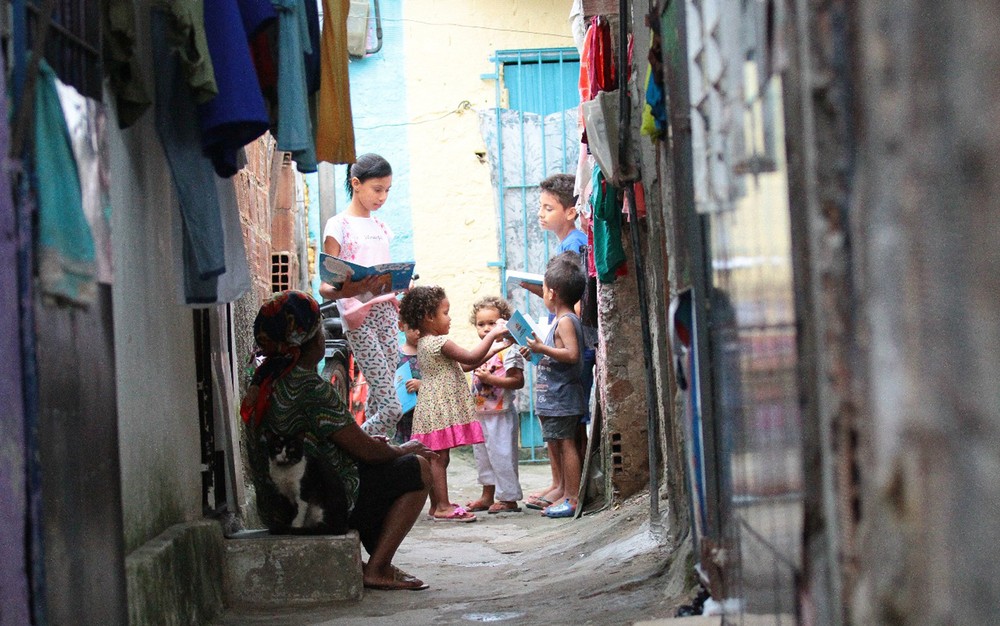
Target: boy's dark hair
pixel 367 166
pixel 564 276
pixel 418 303
pixel 491 302
pixel 561 186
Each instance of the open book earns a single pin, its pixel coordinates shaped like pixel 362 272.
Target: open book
pixel 521 328
pixel 515 278
pixel 392 276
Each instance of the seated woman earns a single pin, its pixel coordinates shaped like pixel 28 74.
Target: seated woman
pixel 384 487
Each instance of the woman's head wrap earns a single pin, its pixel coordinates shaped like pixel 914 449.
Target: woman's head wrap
pixel 282 326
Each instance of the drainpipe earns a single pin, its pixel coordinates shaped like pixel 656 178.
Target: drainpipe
pixel 624 145
pixel 378 31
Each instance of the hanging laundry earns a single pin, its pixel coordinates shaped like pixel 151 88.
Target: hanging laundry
pixel 85 120
pixel 601 64
pixel 120 62
pixel 256 15
pixel 609 254
pixel 312 55
pixel 294 126
pixel 229 287
pixel 237 115
pixel 597 70
pixel 66 259
pixel 190 169
pixel 654 110
pixel 334 126
pixel 186 34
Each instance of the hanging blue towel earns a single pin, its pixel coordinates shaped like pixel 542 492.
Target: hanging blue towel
pixel 237 115
pixel 294 126
pixel 67 263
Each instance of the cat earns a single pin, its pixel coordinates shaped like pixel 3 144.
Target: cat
pixel 313 489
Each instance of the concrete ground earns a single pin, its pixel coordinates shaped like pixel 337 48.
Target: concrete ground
pixel 520 568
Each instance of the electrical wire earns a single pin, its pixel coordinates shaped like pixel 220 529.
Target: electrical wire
pixel 462 107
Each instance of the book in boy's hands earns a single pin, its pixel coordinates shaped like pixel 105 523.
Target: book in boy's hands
pixel 407 399
pixel 515 277
pixel 521 330
pixel 392 276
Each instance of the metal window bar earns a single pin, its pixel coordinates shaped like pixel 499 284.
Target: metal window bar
pixel 73 45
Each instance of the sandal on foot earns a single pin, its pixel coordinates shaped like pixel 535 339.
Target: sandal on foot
pixel 537 503
pixel 458 515
pixel 563 509
pixel 478 505
pixel 504 507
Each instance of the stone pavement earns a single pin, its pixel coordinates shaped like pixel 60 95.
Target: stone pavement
pixel 520 568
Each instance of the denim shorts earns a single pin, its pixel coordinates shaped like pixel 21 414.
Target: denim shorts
pixel 559 427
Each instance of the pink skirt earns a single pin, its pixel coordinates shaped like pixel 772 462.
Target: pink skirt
pixel 452 436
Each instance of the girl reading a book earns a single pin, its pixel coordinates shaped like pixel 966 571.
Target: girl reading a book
pixel 368 309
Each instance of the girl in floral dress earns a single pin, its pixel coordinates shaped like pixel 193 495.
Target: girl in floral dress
pixel 445 416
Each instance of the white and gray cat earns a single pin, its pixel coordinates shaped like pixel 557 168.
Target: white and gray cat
pixel 313 489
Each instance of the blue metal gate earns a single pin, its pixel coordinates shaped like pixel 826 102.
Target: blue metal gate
pixel 530 135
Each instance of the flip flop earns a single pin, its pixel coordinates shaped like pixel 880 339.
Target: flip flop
pixel 563 509
pixel 504 507
pixel 458 515
pixel 537 503
pixel 477 506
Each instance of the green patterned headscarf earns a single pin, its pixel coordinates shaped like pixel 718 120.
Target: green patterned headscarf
pixel 282 326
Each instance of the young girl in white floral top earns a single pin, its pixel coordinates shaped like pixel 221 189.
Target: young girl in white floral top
pixel 445 416
pixel 370 319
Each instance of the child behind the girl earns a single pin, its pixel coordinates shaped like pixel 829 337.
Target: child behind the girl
pixel 493 386
pixel 408 354
pixel 445 416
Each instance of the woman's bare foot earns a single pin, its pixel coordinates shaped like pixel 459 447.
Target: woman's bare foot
pixel 391 578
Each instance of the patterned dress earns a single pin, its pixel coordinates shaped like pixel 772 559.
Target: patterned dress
pixel 445 416
pixel 302 404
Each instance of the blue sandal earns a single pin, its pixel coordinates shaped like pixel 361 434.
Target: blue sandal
pixel 563 509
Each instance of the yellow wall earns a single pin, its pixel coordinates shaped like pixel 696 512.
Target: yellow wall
pixel 448 47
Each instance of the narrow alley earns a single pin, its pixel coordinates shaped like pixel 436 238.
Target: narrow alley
pixel 757 239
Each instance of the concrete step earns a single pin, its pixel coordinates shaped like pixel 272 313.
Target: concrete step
pixel 264 570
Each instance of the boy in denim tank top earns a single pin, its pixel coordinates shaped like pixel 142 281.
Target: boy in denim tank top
pixel 559 394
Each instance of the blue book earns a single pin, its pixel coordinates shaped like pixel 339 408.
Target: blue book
pixel 407 399
pixel 393 276
pixel 521 329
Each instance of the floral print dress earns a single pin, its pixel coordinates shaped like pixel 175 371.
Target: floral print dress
pixel 445 416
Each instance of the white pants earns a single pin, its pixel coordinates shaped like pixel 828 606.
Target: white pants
pixel 496 459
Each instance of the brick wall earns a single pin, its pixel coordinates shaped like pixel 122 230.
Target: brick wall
pixel 252 193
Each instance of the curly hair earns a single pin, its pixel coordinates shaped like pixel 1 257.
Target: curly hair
pixel 564 276
pixel 419 303
pixel 561 186
pixel 496 303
